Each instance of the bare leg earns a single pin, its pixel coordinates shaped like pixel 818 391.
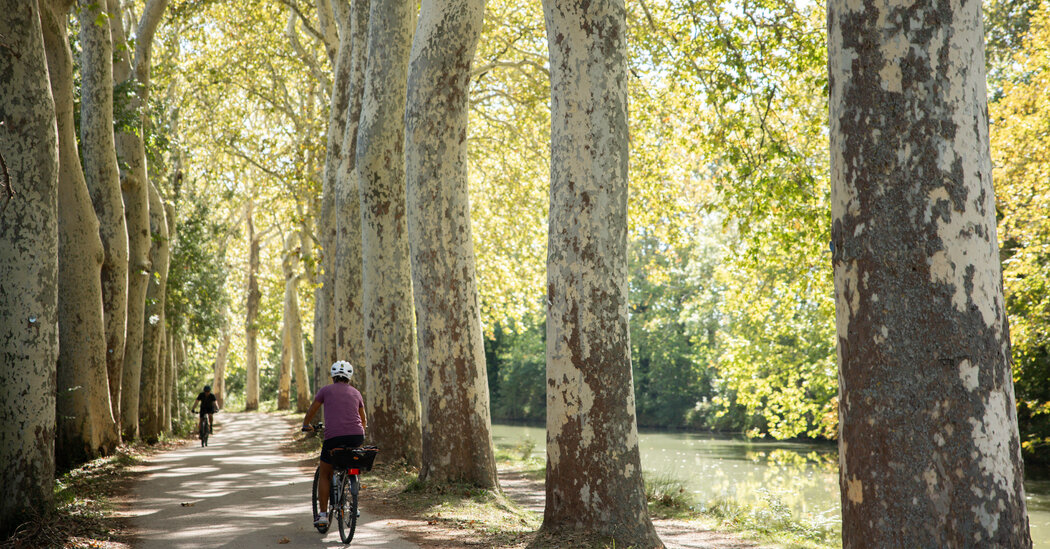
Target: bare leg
pixel 324 486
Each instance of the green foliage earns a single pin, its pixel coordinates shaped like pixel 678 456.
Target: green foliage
pixel 517 373
pixel 197 297
pixel 1020 138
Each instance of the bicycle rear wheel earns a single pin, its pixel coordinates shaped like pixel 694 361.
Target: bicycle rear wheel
pixel 317 478
pixel 204 431
pixel 347 508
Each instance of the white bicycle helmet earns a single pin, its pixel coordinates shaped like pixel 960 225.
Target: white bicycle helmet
pixel 342 368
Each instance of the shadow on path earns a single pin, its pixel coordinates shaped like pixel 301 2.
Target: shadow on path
pixel 240 492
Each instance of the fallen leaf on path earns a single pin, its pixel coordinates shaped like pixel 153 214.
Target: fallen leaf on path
pixel 284 540
pixel 187 504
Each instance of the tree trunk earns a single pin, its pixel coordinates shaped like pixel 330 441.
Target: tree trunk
pixel 165 397
pixel 28 267
pixel 251 316
pixel 135 190
pixel 457 438
pixel 85 427
pixel 324 353
pixel 223 353
pixel 347 306
pixel 929 450
pixel 594 477
pixel 284 379
pixel 168 353
pixel 103 182
pixel 390 355
pixel 293 360
pixel 152 384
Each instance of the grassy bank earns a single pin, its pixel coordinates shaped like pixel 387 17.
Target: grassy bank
pixel 769 521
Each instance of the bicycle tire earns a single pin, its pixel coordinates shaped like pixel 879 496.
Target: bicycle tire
pixel 317 477
pixel 204 431
pixel 347 509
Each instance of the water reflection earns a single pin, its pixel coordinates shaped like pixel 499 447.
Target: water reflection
pixel 801 477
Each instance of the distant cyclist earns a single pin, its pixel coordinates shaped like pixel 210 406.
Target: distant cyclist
pixel 345 422
pixel 209 405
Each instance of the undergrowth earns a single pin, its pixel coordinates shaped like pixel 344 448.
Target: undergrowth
pixel 769 520
pixel 80 515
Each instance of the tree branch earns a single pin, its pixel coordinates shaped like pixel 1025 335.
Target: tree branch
pixel 306 22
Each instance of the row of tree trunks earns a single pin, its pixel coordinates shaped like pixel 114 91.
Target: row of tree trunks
pixel 28 267
pixel 135 191
pixel 85 425
pixel 103 181
pixel 349 82
pixel 390 354
pixel 451 348
pixel 928 447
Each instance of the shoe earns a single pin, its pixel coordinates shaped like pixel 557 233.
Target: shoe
pixel 322 520
pixel 358 513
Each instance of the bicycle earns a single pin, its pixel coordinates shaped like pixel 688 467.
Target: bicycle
pixel 347 465
pixel 205 430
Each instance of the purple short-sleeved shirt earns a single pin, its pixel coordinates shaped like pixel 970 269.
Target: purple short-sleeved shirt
pixel 341 402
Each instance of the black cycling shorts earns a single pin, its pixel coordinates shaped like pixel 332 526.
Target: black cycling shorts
pixel 204 412
pixel 347 441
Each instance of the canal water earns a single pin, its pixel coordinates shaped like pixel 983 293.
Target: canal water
pixel 802 477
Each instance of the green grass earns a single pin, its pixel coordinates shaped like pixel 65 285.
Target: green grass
pixel 518 458
pixel 768 521
pixel 484 517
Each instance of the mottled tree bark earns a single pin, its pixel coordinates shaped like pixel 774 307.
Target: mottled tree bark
pixel 325 320
pixel 457 438
pixel 103 182
pixel 152 382
pixel 334 153
pixel 85 427
pixel 251 316
pixel 390 355
pixel 929 450
pixel 134 183
pixel 28 268
pixel 350 75
pixel 594 477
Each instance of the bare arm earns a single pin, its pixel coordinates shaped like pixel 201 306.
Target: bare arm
pixel 310 414
pixel 364 420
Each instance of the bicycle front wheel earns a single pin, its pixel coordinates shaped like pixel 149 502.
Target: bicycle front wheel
pixel 347 508
pixel 204 431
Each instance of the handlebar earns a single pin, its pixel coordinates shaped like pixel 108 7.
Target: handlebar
pixel 316 427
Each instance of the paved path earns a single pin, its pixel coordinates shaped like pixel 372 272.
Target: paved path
pixel 241 492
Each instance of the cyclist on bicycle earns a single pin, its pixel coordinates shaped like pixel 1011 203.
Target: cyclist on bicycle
pixel 345 422
pixel 208 406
